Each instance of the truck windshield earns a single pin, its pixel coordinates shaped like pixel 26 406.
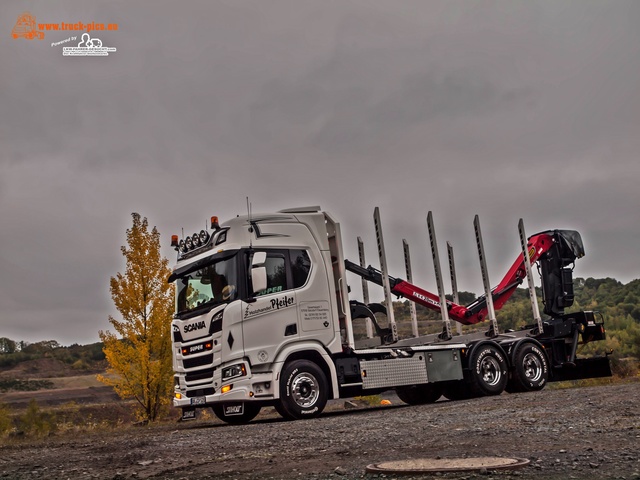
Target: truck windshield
pixel 211 285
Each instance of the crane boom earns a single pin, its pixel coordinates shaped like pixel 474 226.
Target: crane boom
pixel 554 250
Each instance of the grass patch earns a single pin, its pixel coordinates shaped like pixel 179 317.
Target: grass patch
pixel 25 385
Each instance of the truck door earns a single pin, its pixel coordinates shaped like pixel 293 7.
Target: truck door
pixel 272 319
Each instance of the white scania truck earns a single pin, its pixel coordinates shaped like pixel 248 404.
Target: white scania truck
pixel 263 318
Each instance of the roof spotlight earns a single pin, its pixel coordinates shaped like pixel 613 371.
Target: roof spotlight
pixel 183 248
pixel 204 236
pixel 188 243
pixel 195 239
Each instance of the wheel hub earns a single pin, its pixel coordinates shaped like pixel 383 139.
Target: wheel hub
pixel 491 372
pixel 305 390
pixel 532 367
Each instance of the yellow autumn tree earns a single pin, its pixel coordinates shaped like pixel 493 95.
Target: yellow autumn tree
pixel 139 352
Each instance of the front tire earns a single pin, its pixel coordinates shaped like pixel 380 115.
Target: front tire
pixel 530 369
pixel 250 411
pixel 303 390
pixel 420 394
pixel 488 371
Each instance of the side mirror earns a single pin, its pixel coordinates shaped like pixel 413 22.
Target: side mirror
pixel 259 279
pixel 259 259
pixel 259 272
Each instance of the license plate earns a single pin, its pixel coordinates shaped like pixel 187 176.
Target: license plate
pixel 231 409
pixel 198 401
pixel 188 414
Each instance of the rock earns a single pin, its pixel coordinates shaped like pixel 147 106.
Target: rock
pixel 340 471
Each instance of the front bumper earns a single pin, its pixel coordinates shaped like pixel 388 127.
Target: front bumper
pixel 251 388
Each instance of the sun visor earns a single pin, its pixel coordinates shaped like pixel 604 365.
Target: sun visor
pixel 192 267
pixel 573 241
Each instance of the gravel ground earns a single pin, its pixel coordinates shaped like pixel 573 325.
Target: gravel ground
pixel 575 433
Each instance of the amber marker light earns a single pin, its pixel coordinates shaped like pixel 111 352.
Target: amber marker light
pixel 178 395
pixel 226 388
pixel 174 240
pixel 214 223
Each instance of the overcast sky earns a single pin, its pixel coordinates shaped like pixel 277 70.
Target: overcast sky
pixel 498 108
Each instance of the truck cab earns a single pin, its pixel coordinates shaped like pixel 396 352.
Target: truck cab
pixel 250 295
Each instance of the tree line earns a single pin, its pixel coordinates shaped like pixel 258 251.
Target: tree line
pixel 138 352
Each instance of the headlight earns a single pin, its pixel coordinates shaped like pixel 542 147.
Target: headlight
pixel 234 371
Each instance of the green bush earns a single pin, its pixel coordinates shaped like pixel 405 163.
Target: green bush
pixel 36 422
pixel 6 423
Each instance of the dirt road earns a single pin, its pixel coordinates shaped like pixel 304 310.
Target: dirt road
pixel 576 433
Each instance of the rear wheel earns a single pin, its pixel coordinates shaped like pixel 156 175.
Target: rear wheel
pixel 488 374
pixel 303 390
pixel 236 414
pixel 530 369
pixel 419 394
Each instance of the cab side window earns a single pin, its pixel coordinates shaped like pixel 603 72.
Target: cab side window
pixel 276 266
pixel 300 267
pixel 276 274
pixel 286 269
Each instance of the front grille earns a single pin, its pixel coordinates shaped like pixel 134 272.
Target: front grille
pixel 199 375
pixel 198 361
pixel 201 392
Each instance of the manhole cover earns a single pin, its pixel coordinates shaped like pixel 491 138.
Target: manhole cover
pixel 422 465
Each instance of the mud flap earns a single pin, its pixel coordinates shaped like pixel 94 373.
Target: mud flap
pixel 232 409
pixel 188 413
pixel 584 368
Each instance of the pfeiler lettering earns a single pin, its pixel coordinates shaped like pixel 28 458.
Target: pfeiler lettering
pixel 283 302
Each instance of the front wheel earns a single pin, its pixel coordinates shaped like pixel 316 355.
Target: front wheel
pixel 237 413
pixel 303 390
pixel 488 374
pixel 419 394
pixel 530 369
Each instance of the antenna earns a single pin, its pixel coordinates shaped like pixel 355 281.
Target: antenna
pixel 183 233
pixel 250 225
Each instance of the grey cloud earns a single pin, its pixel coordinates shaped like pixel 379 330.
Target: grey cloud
pixel 503 109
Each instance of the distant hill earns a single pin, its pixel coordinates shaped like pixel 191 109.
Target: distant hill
pixel 618 303
pixel 74 359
